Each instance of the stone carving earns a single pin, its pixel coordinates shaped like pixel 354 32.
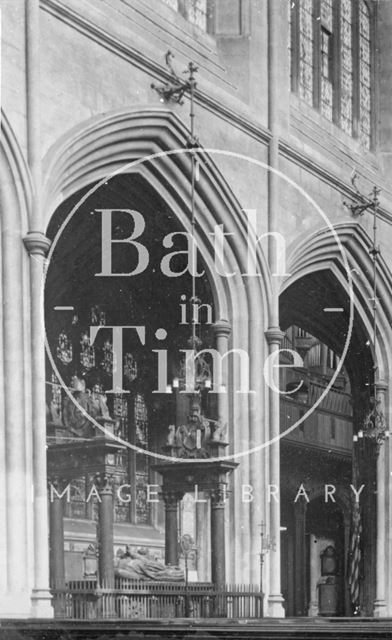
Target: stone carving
pixel 93 405
pixel 192 438
pixel 171 436
pixel 140 565
pixel 54 414
pixel 375 425
pixel 220 432
pixel 99 408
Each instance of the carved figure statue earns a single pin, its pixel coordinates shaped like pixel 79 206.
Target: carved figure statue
pixel 92 405
pixel 140 565
pixel 191 438
pixel 54 414
pixel 98 401
pixel 171 436
pixel 74 419
pixel 220 432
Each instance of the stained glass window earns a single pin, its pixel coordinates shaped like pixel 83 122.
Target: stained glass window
pixel 56 411
pixel 76 508
pixel 306 50
pixel 193 10
pixel 64 348
pixel 326 87
pixel 364 75
pixel 142 506
pixel 172 3
pixel 329 52
pixel 121 504
pixel 197 13
pixel 87 352
pixel 120 415
pixel 141 421
pixel 142 464
pixel 346 52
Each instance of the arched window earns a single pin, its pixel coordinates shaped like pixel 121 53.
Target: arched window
pixel 331 61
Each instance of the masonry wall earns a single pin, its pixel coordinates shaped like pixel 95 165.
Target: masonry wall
pixel 101 57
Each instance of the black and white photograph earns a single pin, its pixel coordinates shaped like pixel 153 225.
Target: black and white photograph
pixel 195 319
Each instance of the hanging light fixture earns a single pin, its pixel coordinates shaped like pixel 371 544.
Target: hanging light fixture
pixel 195 368
pixel 374 427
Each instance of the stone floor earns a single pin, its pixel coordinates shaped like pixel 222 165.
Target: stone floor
pixel 181 629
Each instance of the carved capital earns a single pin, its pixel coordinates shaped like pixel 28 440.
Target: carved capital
pixel 274 335
pixel 58 487
pixel 171 498
pixel 221 328
pixel 37 243
pixel 381 386
pixel 104 483
pixel 219 496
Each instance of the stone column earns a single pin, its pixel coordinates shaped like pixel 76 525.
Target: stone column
pixel 380 605
pixel 323 358
pixel 15 430
pixel 300 558
pixel 218 560
pixel 314 576
pixel 347 603
pixel 275 600
pixel 222 332
pixel 105 532
pixel 56 534
pixel 38 245
pixel 171 500
pixel 202 542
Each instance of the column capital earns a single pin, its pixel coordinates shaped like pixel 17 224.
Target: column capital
pixel 381 385
pixel 218 496
pixel 222 328
pixel 58 487
pixel 37 243
pixel 104 483
pixel 171 498
pixel 274 335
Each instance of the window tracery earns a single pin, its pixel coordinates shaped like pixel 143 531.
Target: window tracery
pixel 328 42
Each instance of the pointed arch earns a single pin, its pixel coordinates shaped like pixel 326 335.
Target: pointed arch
pixel 105 144
pixel 320 252
pixel 16 545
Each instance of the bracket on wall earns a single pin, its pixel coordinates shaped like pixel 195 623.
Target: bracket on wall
pixel 174 89
pixel 362 202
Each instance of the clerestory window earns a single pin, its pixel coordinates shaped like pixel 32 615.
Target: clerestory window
pixel 195 11
pixel 331 61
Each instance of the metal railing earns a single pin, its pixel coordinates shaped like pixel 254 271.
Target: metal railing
pixel 84 600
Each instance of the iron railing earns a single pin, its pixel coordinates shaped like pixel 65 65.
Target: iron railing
pixel 85 600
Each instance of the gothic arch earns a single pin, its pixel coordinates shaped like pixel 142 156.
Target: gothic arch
pixel 320 252
pixel 17 565
pixel 96 148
